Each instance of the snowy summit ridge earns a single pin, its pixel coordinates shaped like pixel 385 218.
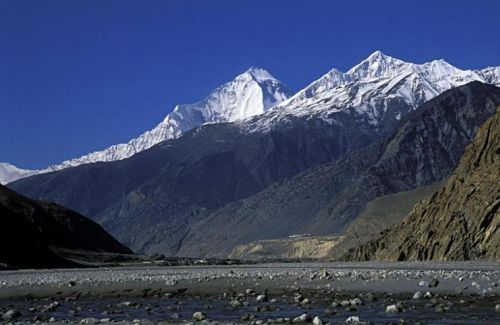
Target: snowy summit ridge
pixel 380 89
pixel 250 93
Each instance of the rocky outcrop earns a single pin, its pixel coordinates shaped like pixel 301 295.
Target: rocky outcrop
pixel 461 221
pixel 38 234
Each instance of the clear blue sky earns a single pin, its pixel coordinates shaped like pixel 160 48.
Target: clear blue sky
pixel 79 75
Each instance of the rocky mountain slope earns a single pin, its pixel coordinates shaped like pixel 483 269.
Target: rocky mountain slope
pixel 379 91
pixel 250 93
pixel 461 221
pixel 379 214
pixel 424 148
pixel 150 200
pixel 37 234
pixel 168 198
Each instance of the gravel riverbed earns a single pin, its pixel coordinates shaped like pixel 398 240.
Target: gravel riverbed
pixel 317 293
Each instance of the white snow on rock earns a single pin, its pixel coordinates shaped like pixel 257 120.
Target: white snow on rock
pixel 10 173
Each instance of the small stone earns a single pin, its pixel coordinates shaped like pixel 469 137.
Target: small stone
pixel 317 321
pixel 11 314
pixel 428 295
pixel 392 309
pixel 304 318
pixel 497 308
pixel 305 301
pixel 418 295
pixel 345 303
pixel 439 309
pixel 352 319
pixel 105 320
pixel 235 303
pixel 356 302
pixel 199 316
pixel 329 312
pixel 51 307
pixel 434 283
pixel 423 283
pixel 246 318
pixel 261 298
pixel 52 320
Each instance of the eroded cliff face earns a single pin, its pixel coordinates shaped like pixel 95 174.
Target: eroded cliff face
pixel 459 222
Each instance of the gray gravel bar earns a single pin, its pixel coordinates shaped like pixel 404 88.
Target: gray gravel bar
pixel 375 292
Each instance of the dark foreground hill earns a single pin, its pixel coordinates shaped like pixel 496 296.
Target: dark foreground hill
pixel 459 222
pixel 36 234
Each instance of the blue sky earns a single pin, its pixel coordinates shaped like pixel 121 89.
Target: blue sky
pixel 77 76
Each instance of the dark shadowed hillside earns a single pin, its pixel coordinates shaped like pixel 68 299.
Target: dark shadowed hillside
pixel 37 234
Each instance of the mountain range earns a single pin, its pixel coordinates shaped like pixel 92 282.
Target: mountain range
pixel 250 93
pixel 423 149
pixel 278 167
pixel 380 89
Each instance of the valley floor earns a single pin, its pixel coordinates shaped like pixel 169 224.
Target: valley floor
pixel 455 293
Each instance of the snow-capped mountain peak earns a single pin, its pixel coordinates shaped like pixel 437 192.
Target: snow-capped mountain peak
pixel 378 65
pixel 380 89
pixel 258 74
pixel 250 93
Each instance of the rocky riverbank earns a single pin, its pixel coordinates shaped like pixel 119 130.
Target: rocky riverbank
pixel 318 293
